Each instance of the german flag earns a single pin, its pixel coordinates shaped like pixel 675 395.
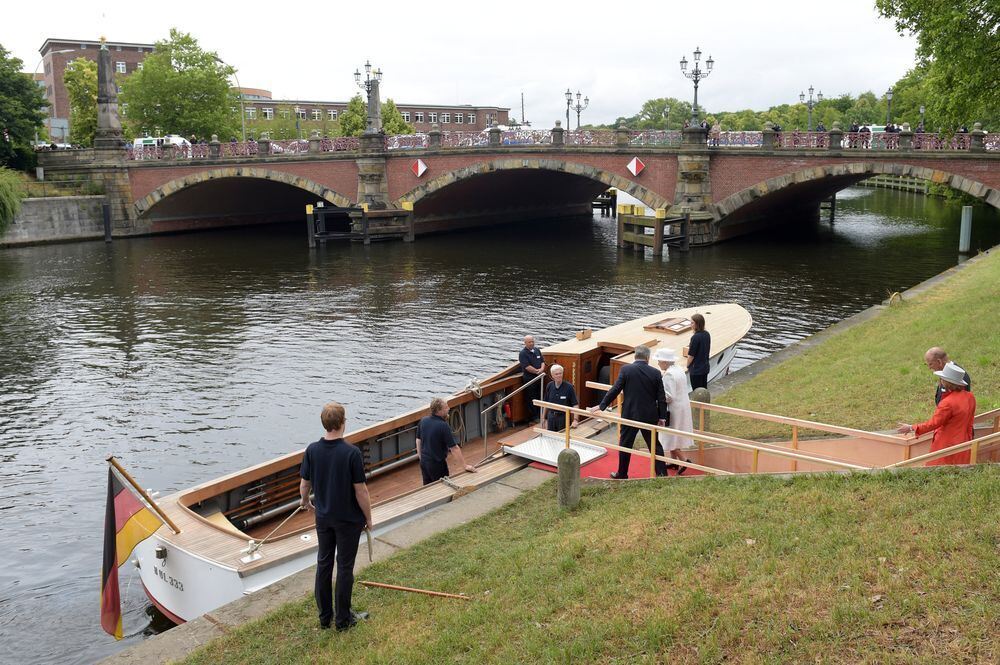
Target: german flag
pixel 127 522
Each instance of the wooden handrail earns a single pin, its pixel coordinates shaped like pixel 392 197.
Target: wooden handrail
pixel 951 450
pixel 697 436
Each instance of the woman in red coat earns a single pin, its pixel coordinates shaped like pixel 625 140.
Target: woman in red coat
pixel 952 420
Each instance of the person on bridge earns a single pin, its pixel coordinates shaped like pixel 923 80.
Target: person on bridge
pixel 953 419
pixel 698 353
pixel 675 388
pixel 532 365
pixel 334 473
pixel 561 392
pixel 644 402
pixel 936 359
pixel 435 443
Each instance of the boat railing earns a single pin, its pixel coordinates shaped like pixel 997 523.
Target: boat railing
pixel 699 436
pixel 540 379
pixel 755 448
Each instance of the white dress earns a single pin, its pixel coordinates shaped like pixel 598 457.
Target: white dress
pixel 675 385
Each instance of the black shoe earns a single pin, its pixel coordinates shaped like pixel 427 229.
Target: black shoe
pixel 682 469
pixel 615 476
pixel 356 617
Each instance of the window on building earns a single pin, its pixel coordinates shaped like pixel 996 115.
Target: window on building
pixel 331 114
pixel 120 67
pixel 83 47
pixel 138 65
pixel 251 113
pixel 406 116
pixel 118 48
pixel 268 114
pixel 317 114
pixel 459 118
pixel 471 118
pixel 285 114
pixel 445 117
pixel 491 119
pixel 300 113
pixel 419 115
pixel 433 117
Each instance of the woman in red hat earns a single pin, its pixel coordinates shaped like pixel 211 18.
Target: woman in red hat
pixel 953 418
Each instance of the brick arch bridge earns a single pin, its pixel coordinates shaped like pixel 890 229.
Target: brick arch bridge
pixel 439 183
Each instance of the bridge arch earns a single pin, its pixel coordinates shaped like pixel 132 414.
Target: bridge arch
pixel 164 191
pixel 830 178
pixel 465 173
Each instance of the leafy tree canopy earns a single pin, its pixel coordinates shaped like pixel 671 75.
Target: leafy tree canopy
pixel 80 78
pixel 354 119
pixel 959 49
pixel 392 120
pixel 181 89
pixel 21 115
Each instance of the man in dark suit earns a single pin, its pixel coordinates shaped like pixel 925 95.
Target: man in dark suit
pixel 645 401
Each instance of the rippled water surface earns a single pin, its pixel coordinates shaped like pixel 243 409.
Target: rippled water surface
pixel 196 355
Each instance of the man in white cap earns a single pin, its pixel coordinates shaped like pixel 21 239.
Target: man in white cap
pixel 678 405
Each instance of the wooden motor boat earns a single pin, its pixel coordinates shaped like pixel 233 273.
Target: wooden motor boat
pixel 238 534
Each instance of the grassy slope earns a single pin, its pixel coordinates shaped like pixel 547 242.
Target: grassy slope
pixel 872 376
pixel 848 569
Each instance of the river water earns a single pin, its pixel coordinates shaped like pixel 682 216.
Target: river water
pixel 191 356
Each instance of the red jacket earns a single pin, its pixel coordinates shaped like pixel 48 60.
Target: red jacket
pixel 951 424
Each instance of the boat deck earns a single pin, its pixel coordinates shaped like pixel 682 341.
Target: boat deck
pixel 395 495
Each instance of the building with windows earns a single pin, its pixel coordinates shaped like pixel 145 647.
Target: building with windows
pixel 259 106
pixel 57 53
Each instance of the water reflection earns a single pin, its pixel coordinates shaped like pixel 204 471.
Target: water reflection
pixel 191 356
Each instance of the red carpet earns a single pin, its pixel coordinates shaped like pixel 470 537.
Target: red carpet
pixel 602 468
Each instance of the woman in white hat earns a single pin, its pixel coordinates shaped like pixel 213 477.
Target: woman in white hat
pixel 953 418
pixel 675 385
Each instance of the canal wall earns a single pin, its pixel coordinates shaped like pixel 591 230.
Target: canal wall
pixel 55 219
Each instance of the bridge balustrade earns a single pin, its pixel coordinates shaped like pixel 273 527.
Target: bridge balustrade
pixel 407 142
pixel 941 142
pixel 526 137
pixel 802 140
pixel 661 137
pixel 737 139
pixel 589 137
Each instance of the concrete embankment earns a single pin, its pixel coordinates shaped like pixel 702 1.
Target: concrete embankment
pixel 55 219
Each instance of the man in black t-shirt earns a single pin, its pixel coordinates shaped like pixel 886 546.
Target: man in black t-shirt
pixel 334 472
pixel 532 364
pixel 435 443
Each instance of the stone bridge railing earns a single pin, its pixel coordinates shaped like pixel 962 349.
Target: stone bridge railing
pixel 557 138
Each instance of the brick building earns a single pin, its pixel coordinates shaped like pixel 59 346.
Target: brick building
pixel 260 107
pixel 57 53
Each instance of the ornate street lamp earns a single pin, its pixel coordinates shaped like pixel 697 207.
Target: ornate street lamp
pixel 666 117
pixel 578 107
pixel 810 103
pixel 696 75
pixel 569 101
pixel 370 86
pixel 888 108
pixel 243 110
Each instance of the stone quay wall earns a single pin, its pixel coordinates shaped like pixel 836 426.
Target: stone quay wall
pixel 55 219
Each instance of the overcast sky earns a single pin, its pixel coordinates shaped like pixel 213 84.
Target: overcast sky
pixel 461 52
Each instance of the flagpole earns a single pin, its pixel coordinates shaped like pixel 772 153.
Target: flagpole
pixel 152 504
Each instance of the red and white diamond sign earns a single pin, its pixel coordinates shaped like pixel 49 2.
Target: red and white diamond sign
pixel 418 167
pixel 636 166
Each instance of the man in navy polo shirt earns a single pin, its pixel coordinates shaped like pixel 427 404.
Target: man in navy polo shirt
pixel 333 471
pixel 560 392
pixel 532 364
pixel 435 443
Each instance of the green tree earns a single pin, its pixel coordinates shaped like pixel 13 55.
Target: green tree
pixel 11 192
pixel 80 78
pixel 21 115
pixel 354 119
pixel 392 120
pixel 182 89
pixel 959 43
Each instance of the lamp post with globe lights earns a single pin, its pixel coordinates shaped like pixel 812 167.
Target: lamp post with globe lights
pixel 888 108
pixel 578 107
pixel 696 75
pixel 810 103
pixel 370 85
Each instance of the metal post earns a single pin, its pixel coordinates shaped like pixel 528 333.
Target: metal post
pixel 106 213
pixel 694 109
pixel 310 226
pixel 965 234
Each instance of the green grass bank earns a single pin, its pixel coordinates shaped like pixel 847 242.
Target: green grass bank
pixel 865 568
pixel 834 568
pixel 872 375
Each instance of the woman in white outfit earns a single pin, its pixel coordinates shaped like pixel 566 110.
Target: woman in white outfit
pixel 675 385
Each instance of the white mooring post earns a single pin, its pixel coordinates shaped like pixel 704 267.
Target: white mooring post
pixel 965 234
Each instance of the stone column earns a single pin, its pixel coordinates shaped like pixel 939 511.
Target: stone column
pixel 108 135
pixel 978 138
pixel 434 136
pixel 694 136
pixel 906 138
pixel 557 133
pixel 621 135
pixel 264 146
pixel 214 147
pixel 374 110
pixel 768 138
pixel 494 133
pixel 569 477
pixel 373 183
pixel 836 137
pixel 314 143
pixel 169 151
